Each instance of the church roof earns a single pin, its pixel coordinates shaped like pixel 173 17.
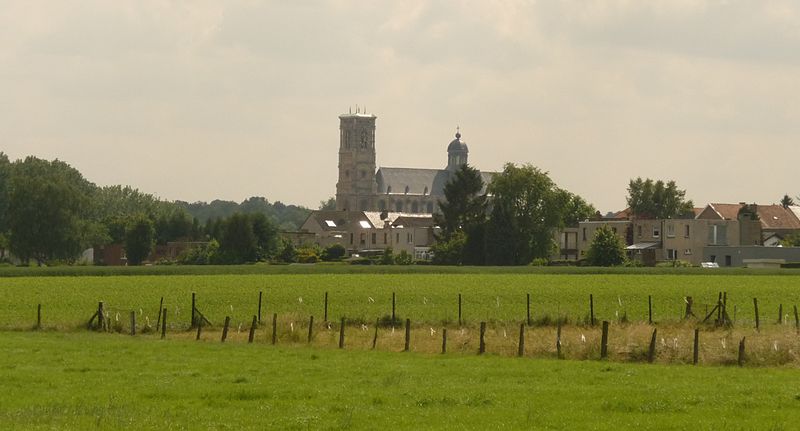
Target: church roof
pixel 457 144
pixel 418 181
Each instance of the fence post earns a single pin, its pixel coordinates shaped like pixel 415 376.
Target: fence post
pixel 780 314
pixel 393 308
pixel 459 310
pixel 650 309
pixel 133 322
pixel 558 339
pixel 252 329
pixel 310 328
pixel 741 352
pixel 194 309
pixel 341 334
pixel 274 328
pixel 325 317
pixel 160 307
pixel 604 341
pixel 591 309
pixel 651 352
pixel 199 328
pixel 696 354
pixel 521 348
pixel 444 340
pixel 260 294
pixel 796 320
pixel 39 316
pixel 408 335
pixel 375 337
pixel 225 328
pixel 482 346
pixel 164 324
pixel 755 305
pixel 529 309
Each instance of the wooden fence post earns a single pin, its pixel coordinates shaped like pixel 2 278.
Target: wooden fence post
pixel 160 307
pixel 39 316
pixel 133 322
pixel 310 328
pixel 591 309
pixel 225 328
pixel 341 334
pixel 408 335
pixel 689 302
pixel 274 328
pixel 529 309
pixel 325 317
pixel 780 314
pixel 199 328
pixel 260 295
pixel 650 309
pixel 651 352
pixel 444 340
pixel 796 319
pixel 741 352
pixel 558 339
pixel 482 346
pixel 375 337
pixel 696 350
pixel 394 319
pixel 755 305
pixel 194 309
pixel 252 329
pixel 604 341
pixel 521 347
pixel 164 324
pixel 459 310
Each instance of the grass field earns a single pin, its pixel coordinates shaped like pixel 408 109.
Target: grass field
pixel 430 299
pixel 91 381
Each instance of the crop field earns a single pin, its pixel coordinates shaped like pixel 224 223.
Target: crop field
pixel 102 381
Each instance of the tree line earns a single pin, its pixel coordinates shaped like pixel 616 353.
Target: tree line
pixel 50 213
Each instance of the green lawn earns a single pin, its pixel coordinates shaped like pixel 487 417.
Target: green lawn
pixel 430 298
pixel 90 381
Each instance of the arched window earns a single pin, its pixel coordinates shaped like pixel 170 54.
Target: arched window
pixel 430 208
pixel 381 205
pixel 398 206
pixel 415 207
pixel 347 174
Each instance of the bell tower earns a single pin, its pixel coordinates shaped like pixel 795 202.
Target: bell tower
pixel 356 188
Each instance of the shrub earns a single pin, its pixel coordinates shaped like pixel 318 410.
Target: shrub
pixel 308 255
pixel 404 258
pixel 606 248
pixel 539 261
pixel 333 253
pixel 388 257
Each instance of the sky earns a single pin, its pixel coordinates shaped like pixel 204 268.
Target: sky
pixel 203 100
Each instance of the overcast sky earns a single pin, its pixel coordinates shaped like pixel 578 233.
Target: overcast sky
pixel 201 100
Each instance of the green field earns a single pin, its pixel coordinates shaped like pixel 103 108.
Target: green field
pixel 96 381
pixel 431 299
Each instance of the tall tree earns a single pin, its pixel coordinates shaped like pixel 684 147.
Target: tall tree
pixel 606 248
pixel 527 207
pixel 329 204
pixel 140 238
pixel 461 217
pixel 49 208
pixel 238 243
pixel 657 199
pixel 576 209
pixel 787 201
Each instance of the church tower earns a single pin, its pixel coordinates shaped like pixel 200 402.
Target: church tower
pixel 356 189
pixel 457 153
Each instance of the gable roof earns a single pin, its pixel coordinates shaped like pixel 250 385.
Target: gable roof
pixel 418 181
pixel 770 216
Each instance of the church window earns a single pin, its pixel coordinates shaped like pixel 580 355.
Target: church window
pixel 406 189
pixel 398 206
pixel 414 207
pixel 430 208
pixel 381 205
pixel 363 174
pixel 364 205
pixel 347 174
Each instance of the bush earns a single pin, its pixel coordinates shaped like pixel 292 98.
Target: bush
pixel 404 258
pixel 333 252
pixel 606 248
pixel 388 257
pixel 673 264
pixel 200 255
pixel 287 253
pixel 361 261
pixel 539 261
pixel 308 255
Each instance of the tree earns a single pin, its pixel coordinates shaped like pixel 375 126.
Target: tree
pixel 337 251
pixel 449 251
pixel 49 209
pixel 577 209
pixel 606 249
pixel 266 235
pixel 238 243
pixel 787 201
pixel 657 200
pixel 287 253
pixel 140 238
pixel 329 204
pixel 527 208
pixel 791 240
pixel 462 212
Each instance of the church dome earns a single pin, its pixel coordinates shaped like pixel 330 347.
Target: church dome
pixel 457 144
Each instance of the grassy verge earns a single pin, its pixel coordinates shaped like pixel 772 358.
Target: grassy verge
pixel 90 381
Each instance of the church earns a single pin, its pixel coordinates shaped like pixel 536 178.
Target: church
pixel 361 187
